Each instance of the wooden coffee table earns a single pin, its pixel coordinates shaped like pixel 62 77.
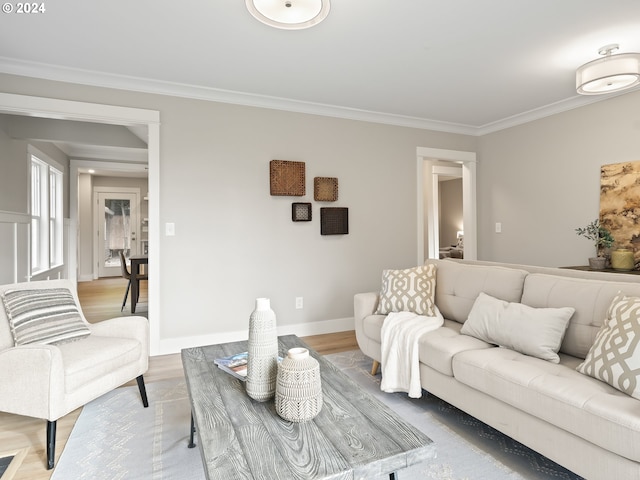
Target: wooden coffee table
pixel 354 437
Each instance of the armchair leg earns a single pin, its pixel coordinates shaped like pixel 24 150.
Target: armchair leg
pixel 51 444
pixel 143 391
pixel 374 367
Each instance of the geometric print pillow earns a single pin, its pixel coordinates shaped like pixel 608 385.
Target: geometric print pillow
pixel 43 316
pixel 410 290
pixel 614 357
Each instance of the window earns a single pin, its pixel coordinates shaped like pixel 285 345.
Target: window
pixel 46 214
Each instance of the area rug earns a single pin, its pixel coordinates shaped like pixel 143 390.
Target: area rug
pixel 115 438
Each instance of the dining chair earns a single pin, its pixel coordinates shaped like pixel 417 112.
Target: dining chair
pixel 126 274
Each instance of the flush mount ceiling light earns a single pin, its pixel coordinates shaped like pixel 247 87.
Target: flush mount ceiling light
pixel 289 14
pixel 611 73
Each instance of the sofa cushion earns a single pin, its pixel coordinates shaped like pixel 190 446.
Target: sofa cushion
pixel 459 285
pixel 410 290
pixel 95 357
pixel 615 356
pixel 438 347
pixel 590 298
pixel 556 393
pixel 43 316
pixel 533 331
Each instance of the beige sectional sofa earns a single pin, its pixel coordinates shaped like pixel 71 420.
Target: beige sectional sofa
pixel 582 423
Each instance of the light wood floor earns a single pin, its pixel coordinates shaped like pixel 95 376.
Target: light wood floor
pixel 100 300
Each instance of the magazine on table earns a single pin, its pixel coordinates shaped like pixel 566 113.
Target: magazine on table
pixel 235 364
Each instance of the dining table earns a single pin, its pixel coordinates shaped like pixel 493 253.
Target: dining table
pixel 136 261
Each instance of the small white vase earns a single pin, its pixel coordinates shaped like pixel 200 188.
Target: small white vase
pixel 262 359
pixel 298 388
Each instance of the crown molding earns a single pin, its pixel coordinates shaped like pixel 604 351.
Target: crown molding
pixel 14 66
pixel 44 71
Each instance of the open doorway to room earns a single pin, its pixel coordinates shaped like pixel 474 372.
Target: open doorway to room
pixel 434 165
pixel 81 113
pixel 450 211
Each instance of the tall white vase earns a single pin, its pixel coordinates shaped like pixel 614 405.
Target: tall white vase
pixel 262 361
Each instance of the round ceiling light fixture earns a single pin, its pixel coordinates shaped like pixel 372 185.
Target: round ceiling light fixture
pixel 289 14
pixel 608 74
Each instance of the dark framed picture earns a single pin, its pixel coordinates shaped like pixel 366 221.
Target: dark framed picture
pixel 334 221
pixel 301 212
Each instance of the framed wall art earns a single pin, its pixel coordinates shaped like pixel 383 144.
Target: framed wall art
pixel 287 178
pixel 334 221
pixel 301 212
pixel 325 189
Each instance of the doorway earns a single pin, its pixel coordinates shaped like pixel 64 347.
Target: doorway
pixel 117 216
pixel 427 159
pixel 43 107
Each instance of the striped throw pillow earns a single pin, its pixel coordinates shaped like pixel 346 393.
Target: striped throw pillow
pixel 43 316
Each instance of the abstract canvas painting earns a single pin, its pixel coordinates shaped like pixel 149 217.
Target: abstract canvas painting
pixel 620 204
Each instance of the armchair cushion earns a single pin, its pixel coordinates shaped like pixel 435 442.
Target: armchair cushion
pixel 43 316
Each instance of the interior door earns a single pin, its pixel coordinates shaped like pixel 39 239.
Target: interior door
pixel 118 222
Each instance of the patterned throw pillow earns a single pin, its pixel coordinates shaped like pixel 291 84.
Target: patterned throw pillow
pixel 43 316
pixel 411 290
pixel 614 357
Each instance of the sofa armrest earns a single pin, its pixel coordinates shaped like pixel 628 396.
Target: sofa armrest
pixel 364 304
pixel 31 380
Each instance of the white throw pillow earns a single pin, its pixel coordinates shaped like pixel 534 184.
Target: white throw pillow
pixel 537 332
pixel 614 357
pixel 410 290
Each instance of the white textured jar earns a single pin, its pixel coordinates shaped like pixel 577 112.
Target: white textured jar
pixel 262 358
pixel 298 387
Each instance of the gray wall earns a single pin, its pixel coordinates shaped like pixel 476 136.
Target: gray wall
pixel 541 180
pixel 234 242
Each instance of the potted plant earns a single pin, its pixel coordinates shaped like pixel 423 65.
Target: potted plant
pixel 601 237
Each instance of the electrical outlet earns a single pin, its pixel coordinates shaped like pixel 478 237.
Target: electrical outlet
pixel 299 303
pixel 498 227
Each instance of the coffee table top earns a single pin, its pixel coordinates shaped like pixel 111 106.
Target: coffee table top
pixel 354 437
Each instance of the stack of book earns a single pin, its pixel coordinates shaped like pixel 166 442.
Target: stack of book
pixel 236 365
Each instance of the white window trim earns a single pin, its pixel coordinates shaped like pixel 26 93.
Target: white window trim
pixel 51 164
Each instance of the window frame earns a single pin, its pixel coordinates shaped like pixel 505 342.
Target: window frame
pixel 46 197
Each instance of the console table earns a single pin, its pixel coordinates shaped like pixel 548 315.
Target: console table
pixel 587 268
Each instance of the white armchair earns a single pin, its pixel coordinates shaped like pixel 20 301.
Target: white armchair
pixel 50 380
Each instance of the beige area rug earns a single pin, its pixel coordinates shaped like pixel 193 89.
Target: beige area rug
pixel 116 438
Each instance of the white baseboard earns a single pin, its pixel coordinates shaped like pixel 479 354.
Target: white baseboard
pixel 174 345
pixel 86 278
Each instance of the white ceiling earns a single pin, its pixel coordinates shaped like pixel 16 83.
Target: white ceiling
pixel 469 66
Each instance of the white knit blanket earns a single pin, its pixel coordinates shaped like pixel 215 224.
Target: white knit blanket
pixel 401 333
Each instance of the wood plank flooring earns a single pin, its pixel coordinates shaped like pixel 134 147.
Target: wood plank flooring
pixel 101 300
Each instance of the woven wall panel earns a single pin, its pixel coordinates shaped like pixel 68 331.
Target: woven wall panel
pixel 287 178
pixel 325 189
pixel 334 221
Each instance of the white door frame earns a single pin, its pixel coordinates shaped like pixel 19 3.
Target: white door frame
pixel 92 112
pixel 98 216
pixel 425 158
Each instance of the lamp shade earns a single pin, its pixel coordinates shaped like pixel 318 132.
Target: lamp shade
pixel 289 14
pixel 609 74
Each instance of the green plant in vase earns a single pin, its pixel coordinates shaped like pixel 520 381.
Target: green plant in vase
pixel 602 239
